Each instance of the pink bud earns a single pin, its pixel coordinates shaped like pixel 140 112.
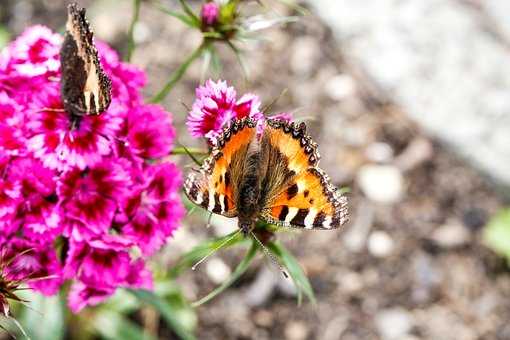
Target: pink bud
pixel 209 13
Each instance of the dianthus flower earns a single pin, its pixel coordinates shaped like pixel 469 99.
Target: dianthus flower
pixel 96 185
pixel 216 104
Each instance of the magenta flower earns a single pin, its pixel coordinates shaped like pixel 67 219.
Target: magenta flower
pixel 154 208
pixel 215 105
pixel 97 184
pixel 209 13
pixel 93 196
pixel 36 264
pixel 62 143
pixel 34 53
pixel 149 131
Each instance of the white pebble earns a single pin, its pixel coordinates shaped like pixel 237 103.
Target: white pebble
pixel 394 323
pixel 340 87
pixel 381 183
pixel 380 244
pixel 217 270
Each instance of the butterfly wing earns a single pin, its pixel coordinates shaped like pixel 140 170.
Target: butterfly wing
pixel 298 193
pixel 213 185
pixel 85 88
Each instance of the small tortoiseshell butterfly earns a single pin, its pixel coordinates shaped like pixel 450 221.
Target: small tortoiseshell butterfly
pixel 274 177
pixel 85 88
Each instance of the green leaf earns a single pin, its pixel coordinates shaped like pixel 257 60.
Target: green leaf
pixel 197 253
pixel 183 311
pixel 177 74
pixel 43 310
pixel 497 233
pixel 4 37
pixel 187 20
pixel 295 271
pixel 167 311
pixel 187 9
pixel 114 326
pixel 240 269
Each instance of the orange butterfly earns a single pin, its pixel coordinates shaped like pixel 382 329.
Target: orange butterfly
pixel 273 177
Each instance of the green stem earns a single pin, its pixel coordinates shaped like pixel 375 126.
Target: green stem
pixel 134 19
pixel 177 74
pixel 240 269
pixel 186 151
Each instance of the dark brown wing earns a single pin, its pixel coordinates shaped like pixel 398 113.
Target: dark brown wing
pixel 298 193
pixel 85 88
pixel 213 186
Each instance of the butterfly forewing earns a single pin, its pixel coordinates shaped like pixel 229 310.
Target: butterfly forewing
pixel 298 193
pixel 85 88
pixel 213 186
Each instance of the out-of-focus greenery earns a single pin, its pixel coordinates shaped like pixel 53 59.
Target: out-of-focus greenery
pixel 4 36
pixel 497 233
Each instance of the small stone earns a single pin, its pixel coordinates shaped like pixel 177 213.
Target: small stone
pixel 262 288
pixel 296 330
pixel 379 152
pixel 263 318
pixel 416 153
pixel 451 235
pixel 380 244
pixel 394 323
pixel 340 87
pixel 217 270
pixel 381 183
pixel 350 282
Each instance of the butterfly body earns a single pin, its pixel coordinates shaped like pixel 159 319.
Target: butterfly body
pixel 85 87
pixel 272 177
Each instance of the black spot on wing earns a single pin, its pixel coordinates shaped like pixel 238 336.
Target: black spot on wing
pixel 292 191
pixel 299 219
pixel 319 219
pixel 283 213
pixel 227 178
pixel 217 205
pixel 306 193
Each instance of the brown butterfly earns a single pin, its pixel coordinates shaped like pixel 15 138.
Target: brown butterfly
pixel 85 88
pixel 273 177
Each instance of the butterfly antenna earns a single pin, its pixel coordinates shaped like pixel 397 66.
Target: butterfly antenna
pixel 215 250
pixel 208 225
pixel 269 106
pixel 270 255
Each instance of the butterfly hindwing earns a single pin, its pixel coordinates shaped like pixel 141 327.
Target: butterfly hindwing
pixel 85 88
pixel 298 193
pixel 213 186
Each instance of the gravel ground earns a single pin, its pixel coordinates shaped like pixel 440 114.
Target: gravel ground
pixel 410 264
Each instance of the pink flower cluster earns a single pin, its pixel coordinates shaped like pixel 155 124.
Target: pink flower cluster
pixel 216 104
pixel 77 199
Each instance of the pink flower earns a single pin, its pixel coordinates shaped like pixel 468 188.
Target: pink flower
pixel 209 13
pixel 12 140
pixel 36 264
pixel 154 209
pixel 94 183
pixel 82 295
pixel 215 105
pixel 92 196
pixel 37 211
pixel 34 53
pixel 100 262
pixel 62 143
pixel 150 133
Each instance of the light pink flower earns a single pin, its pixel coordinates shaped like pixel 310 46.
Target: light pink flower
pixel 215 105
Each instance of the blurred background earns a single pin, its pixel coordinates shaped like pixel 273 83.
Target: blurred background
pixel 409 103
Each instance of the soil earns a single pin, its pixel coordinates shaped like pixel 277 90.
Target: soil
pixel 419 286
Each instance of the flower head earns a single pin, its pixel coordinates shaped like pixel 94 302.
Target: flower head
pixel 215 105
pixel 95 184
